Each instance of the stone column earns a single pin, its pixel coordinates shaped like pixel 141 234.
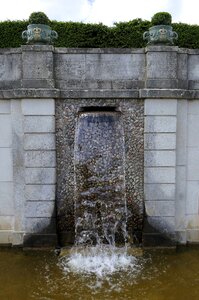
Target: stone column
pixel 160 170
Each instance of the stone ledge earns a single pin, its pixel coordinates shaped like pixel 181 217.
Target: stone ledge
pixel 62 50
pixel 169 93
pixel 34 93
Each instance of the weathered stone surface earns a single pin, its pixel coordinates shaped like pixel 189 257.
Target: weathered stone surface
pixel 40 159
pixel 38 107
pixel 39 124
pixel 37 65
pixel 160 158
pixel 6 199
pixel 159 191
pixel 40 176
pixel 133 120
pixel 40 192
pixel 6 164
pixel 10 66
pixel 158 107
pixel 160 141
pixel 160 208
pixel 160 124
pixel 6 223
pixel 4 107
pixel 40 225
pixel 42 141
pixel 40 209
pixel 159 175
pixel 99 66
pixel 5 130
pixel 165 65
pixel 193 164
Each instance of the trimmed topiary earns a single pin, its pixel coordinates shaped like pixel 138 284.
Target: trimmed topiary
pixel 38 18
pixel 161 18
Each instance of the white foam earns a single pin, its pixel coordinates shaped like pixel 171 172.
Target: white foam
pixel 100 261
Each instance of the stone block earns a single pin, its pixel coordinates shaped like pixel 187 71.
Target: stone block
pixel 193 164
pixel 40 176
pixel 160 208
pixel 193 129
pixel 38 225
pixel 160 107
pixel 39 141
pixel 40 159
pixel 160 158
pixel 40 209
pixel 162 65
pixel 17 238
pixel 5 131
pixel 193 236
pixel 39 124
pixel 193 221
pixel 192 197
pixel 6 237
pixel 6 223
pixel 181 134
pixel 114 67
pixel 40 192
pixel 193 67
pixel 159 191
pixel 37 64
pixel 160 141
pixel 6 199
pixel 180 202
pixel 70 66
pixel 4 106
pixel 10 67
pixel 193 107
pixel 160 124
pixel 40 107
pixel 159 175
pixel 162 224
pixel 6 164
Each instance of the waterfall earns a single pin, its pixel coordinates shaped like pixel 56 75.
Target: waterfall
pixel 99 159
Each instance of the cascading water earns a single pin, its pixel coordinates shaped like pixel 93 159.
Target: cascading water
pixel 100 205
pixel 100 202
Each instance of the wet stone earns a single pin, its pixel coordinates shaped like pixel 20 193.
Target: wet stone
pixel 97 191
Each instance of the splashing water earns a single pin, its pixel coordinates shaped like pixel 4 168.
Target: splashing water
pixel 100 199
pixel 101 261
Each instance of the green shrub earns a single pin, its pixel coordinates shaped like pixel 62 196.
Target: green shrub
pixel 161 18
pixel 38 18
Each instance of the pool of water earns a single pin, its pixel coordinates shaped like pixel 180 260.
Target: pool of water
pixel 156 275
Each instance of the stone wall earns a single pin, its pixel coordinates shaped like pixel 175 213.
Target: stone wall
pixel 133 120
pixel 39 84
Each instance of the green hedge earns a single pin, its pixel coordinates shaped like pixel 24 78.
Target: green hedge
pixel 81 35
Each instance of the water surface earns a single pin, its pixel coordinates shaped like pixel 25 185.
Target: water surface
pixel 156 275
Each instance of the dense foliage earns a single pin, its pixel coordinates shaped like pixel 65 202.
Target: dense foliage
pixel 121 35
pixel 39 18
pixel 161 18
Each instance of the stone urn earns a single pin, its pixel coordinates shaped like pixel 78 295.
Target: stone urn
pixel 39 34
pixel 160 35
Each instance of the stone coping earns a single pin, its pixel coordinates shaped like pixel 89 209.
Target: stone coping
pixel 100 94
pixel 61 50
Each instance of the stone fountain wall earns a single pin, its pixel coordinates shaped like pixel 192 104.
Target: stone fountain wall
pixel 133 120
pixel 42 89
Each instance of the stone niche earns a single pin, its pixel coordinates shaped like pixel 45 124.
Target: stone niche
pixel 132 112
